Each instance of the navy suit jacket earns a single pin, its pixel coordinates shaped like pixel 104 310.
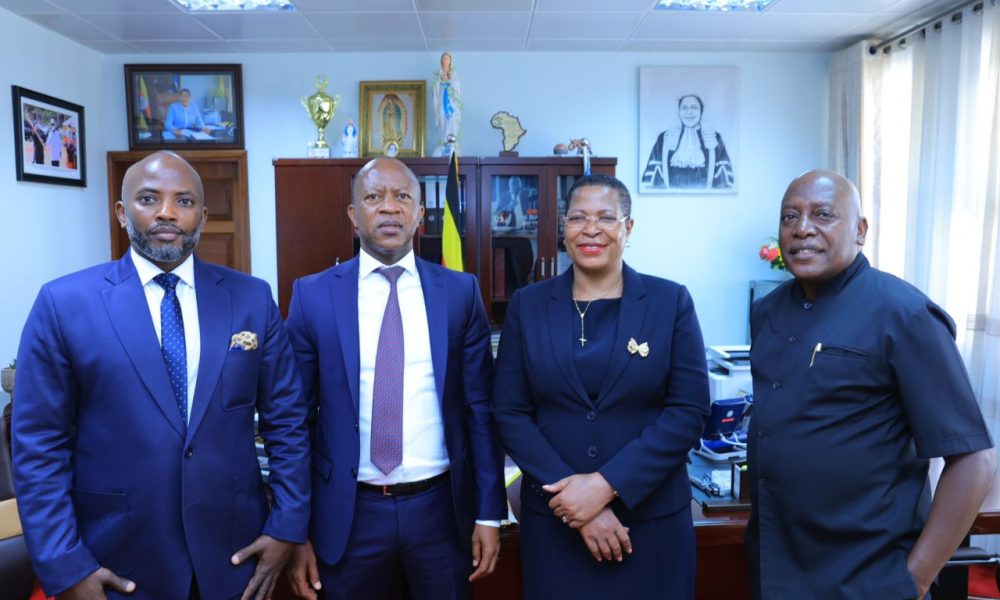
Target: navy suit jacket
pixel 648 415
pixel 323 326
pixel 107 475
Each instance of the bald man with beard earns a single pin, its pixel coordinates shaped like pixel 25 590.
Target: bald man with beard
pixel 857 384
pixel 133 431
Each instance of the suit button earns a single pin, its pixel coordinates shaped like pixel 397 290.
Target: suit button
pixel 592 451
pixel 356 427
pixel 354 473
pixel 762 433
pixel 591 416
pixel 776 385
pixel 792 339
pixel 189 453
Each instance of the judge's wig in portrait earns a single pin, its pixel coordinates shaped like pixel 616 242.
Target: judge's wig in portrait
pixel 602 180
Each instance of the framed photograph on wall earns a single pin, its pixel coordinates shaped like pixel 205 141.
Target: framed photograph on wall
pixel 48 139
pixel 688 130
pixel 392 118
pixel 184 107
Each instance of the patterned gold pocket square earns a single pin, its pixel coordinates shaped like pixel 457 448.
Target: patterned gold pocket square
pixel 642 349
pixel 244 341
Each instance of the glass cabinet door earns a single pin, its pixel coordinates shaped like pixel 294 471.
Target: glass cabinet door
pixel 513 232
pixel 429 233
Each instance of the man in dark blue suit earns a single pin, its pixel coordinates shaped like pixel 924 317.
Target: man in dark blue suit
pixel 134 458
pixel 395 356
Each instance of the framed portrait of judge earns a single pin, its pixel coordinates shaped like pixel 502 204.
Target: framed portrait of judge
pixel 392 119
pixel 688 130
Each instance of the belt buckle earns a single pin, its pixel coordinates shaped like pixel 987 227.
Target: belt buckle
pixel 385 491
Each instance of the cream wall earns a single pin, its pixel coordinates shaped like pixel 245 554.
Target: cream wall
pixel 708 243
pixel 48 230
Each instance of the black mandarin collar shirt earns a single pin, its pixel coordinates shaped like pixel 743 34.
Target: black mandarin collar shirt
pixel 853 393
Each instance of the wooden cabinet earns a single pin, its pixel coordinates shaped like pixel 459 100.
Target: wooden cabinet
pixel 510 217
pixel 225 240
pixel 520 228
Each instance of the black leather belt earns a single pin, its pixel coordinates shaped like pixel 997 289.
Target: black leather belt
pixel 404 489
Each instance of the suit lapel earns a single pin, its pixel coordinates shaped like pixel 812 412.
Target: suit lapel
pixel 561 331
pixel 631 315
pixel 215 321
pixel 344 298
pixel 129 313
pixel 436 304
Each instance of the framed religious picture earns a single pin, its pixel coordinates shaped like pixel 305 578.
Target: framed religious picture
pixel 688 130
pixel 48 139
pixel 184 107
pixel 392 118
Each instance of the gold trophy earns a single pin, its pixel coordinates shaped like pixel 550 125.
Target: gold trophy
pixel 320 107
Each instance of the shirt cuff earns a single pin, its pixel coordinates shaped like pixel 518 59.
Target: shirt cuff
pixel 487 523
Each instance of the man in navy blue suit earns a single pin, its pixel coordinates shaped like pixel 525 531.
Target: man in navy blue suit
pixel 395 357
pixel 134 458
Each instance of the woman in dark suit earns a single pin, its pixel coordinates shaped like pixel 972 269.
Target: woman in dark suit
pixel 601 389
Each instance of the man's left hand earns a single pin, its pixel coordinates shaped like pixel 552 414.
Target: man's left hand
pixel 579 498
pixel 485 550
pixel 271 555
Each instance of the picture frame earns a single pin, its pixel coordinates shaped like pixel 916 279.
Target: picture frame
pixel 184 106
pixel 675 102
pixel 49 139
pixel 393 117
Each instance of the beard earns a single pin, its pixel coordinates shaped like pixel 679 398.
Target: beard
pixel 142 241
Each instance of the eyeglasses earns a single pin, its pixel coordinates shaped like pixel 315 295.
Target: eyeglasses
pixel 603 222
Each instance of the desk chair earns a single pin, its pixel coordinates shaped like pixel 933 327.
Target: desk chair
pixel 953 582
pixel 15 565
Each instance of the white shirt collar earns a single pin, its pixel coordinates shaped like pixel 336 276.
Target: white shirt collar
pixel 368 264
pixel 147 270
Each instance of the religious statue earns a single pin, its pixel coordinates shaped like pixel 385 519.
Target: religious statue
pixel 447 106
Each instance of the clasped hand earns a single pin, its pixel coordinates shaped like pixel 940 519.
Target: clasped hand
pixel 581 501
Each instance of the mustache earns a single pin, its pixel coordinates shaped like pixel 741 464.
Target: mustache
pixel 165 227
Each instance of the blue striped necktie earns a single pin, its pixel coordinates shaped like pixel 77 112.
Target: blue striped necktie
pixel 172 339
pixel 387 390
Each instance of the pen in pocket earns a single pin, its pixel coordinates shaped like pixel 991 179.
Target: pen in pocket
pixel 818 348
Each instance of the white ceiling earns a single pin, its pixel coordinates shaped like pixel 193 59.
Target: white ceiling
pixel 159 26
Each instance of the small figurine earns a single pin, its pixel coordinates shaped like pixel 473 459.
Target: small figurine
pixel 349 140
pixel 447 105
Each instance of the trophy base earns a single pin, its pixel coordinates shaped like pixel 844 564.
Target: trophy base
pixel 319 152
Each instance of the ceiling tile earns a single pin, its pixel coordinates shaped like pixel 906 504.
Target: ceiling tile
pixel 377 45
pixel 601 25
pixel 475 25
pixel 778 27
pixel 475 45
pixel 672 25
pixel 718 46
pixel 118 6
pixel 151 27
pixel 259 26
pixel 308 6
pixel 366 26
pixel 574 45
pixel 70 26
pixel 29 6
pixel 182 46
pixel 593 5
pixel 114 47
pixel 806 7
pixel 279 46
pixel 474 5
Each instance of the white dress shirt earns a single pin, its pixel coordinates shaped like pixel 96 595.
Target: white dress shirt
pixel 189 310
pixel 424 451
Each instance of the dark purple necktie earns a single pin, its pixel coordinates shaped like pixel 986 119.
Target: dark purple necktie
pixel 387 392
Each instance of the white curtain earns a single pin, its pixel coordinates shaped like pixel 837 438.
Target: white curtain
pixel 847 74
pixel 934 195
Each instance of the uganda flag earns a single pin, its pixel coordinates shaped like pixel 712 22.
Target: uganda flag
pixel 451 241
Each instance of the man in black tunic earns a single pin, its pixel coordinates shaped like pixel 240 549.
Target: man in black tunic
pixel 857 383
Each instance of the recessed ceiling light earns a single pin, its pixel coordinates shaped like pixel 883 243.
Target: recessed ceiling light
pixel 716 5
pixel 234 5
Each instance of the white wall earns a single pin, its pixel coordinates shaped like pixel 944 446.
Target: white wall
pixel 48 230
pixel 708 243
